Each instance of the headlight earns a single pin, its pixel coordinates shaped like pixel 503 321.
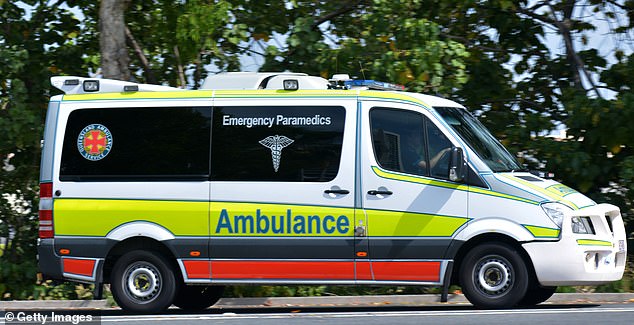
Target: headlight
pixel 555 211
pixel 582 225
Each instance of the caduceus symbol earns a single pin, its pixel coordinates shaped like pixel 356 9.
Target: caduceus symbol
pixel 276 143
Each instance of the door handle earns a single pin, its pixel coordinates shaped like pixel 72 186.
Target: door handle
pixel 336 191
pixel 377 192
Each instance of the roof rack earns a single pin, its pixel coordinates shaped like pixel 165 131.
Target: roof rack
pixel 226 81
pixel 78 85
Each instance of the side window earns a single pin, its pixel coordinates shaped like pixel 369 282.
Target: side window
pixel 277 143
pixel 130 144
pixel 439 151
pixel 398 138
pixel 408 142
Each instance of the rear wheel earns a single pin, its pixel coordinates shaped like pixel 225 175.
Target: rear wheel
pixel 537 295
pixel 198 297
pixel 143 282
pixel 494 276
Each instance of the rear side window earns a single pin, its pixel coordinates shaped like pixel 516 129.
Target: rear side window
pixel 130 144
pixel 279 143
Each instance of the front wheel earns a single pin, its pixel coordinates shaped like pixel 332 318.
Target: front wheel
pixel 143 282
pixel 494 276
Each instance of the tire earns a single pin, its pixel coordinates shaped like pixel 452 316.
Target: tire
pixel 494 276
pixel 143 282
pixel 537 295
pixel 195 298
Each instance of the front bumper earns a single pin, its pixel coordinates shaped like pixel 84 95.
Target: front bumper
pixel 579 259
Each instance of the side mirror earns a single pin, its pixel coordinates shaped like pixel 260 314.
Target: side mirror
pixel 457 165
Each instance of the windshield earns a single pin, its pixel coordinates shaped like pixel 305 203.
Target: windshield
pixel 479 139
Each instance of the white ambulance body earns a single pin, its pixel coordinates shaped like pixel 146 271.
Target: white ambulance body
pixel 274 178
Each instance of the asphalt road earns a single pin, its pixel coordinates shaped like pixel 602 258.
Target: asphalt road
pixel 448 314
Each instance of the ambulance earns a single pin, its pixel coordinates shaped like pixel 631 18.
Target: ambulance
pixel 168 195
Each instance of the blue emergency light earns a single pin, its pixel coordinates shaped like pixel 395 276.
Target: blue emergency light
pixel 373 84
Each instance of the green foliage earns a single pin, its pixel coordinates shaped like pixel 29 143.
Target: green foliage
pixel 597 157
pixel 64 291
pixel 408 50
pixel 201 33
pixel 32 48
pixel 523 90
pixel 193 35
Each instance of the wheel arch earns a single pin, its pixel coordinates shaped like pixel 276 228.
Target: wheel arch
pixel 138 243
pixel 459 249
pixel 487 230
pixel 140 229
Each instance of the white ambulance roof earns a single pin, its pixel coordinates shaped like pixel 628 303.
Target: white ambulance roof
pixel 231 81
pixel 435 101
pixel 261 80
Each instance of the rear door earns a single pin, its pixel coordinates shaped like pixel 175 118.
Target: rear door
pixel 282 192
pixel 412 209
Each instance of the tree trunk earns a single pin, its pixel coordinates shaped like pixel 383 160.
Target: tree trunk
pixel 571 53
pixel 115 61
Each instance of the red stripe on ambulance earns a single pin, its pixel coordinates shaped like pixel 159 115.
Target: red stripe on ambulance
pixel 421 271
pixel 427 271
pixel 83 267
pixel 364 271
pixel 197 269
pixel 310 270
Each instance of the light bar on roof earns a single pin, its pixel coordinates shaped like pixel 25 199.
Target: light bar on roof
pixel 373 84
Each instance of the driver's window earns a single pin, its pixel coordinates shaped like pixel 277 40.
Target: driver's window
pixel 408 142
pixel 439 148
pixel 398 138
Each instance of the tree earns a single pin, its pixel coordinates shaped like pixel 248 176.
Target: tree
pixel 32 47
pixel 524 89
pixel 193 35
pixel 115 62
pixel 353 37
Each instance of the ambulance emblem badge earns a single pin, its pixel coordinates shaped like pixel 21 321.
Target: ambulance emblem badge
pixel 276 143
pixel 94 142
